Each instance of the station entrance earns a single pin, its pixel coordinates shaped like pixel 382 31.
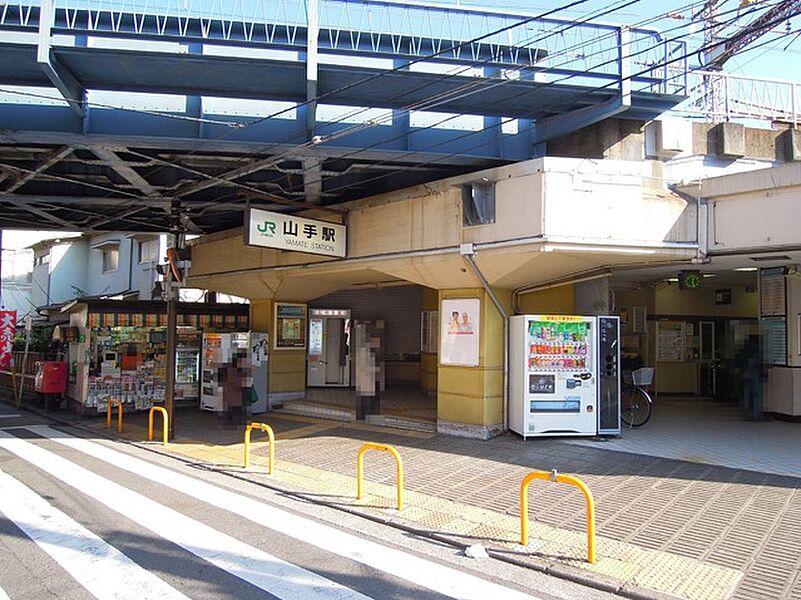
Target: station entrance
pixel 365 359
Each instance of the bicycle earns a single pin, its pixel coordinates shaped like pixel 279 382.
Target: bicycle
pixel 635 402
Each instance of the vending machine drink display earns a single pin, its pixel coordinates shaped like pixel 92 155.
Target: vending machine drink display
pixel 554 375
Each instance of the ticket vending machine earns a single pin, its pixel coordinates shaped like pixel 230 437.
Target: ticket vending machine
pixel 608 376
pixel 328 363
pixel 563 375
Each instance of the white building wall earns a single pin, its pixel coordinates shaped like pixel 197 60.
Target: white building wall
pixel 67 271
pixel 612 202
pixel 109 283
pixel 144 271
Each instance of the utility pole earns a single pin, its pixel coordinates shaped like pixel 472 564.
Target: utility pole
pixel 175 243
pixel 712 83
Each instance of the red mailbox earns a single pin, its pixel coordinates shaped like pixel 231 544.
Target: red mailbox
pixel 51 377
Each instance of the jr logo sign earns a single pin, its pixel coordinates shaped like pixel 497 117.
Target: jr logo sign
pixel 267 228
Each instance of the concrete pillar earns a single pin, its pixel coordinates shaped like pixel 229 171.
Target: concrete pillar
pixel 429 360
pixel 470 399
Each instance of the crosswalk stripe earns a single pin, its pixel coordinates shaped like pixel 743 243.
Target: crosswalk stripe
pixel 439 578
pixel 95 564
pixel 273 575
pixel 3 595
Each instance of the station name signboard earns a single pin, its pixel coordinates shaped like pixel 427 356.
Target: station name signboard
pixel 287 232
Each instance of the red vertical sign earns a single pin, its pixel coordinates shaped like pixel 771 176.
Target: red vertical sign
pixel 8 327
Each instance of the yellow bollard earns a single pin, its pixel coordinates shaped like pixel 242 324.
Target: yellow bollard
pixel 270 436
pixel 360 469
pixel 164 424
pixel 570 480
pixel 110 403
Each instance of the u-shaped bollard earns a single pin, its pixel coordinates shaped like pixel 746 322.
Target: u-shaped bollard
pixel 109 404
pixel 558 478
pixel 164 424
pixel 360 469
pixel 270 436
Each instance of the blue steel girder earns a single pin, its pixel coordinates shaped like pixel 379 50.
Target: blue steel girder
pixel 63 80
pixel 265 79
pixel 26 124
pixel 366 28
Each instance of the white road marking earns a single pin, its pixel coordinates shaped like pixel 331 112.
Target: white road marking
pixel 3 595
pixel 439 578
pixel 10 417
pixel 271 574
pixel 95 564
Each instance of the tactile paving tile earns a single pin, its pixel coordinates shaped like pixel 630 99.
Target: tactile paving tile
pixel 498 528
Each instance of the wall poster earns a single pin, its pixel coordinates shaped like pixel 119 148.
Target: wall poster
pixel 290 326
pixel 772 292
pixel 670 343
pixel 459 331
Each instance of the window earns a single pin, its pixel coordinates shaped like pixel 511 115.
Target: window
pixel 478 203
pixel 42 259
pixel 148 250
pixel 111 259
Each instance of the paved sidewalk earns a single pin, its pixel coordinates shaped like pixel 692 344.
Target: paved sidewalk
pixel 675 528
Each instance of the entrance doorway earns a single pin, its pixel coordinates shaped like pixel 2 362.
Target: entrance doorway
pixel 708 366
pixel 377 332
pixel 328 362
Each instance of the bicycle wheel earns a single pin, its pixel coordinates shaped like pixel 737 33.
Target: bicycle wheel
pixel 635 406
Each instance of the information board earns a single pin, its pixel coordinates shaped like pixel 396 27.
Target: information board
pixel 670 343
pixel 772 297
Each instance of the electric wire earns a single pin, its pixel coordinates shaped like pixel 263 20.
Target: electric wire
pixel 328 123
pixel 471 133
pixel 482 143
pixel 362 126
pixel 406 65
pixel 265 193
pixel 431 103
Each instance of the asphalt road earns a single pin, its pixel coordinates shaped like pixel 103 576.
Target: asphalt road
pixel 83 518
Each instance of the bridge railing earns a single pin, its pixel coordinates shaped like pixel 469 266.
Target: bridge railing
pixel 585 52
pixel 719 96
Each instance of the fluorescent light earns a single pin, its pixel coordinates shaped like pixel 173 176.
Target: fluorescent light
pixel 709 275
pixel 746 269
pixel 676 279
pixel 769 258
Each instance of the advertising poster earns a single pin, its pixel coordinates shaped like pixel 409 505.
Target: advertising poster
pixel 459 331
pixel 290 324
pixel 8 328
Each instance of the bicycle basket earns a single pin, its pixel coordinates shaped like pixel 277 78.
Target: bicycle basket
pixel 643 376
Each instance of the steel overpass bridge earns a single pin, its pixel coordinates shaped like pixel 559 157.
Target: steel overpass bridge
pixel 113 109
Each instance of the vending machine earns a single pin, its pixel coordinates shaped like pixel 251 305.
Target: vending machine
pixel 563 370
pixel 220 351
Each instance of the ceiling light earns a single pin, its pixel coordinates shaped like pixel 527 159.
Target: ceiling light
pixel 768 258
pixel 672 279
pixel 709 275
pixel 746 269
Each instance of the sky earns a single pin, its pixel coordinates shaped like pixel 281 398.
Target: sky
pixel 769 61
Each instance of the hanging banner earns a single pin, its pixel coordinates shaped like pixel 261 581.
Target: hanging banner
pixel 8 328
pixel 459 330
pixel 288 232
